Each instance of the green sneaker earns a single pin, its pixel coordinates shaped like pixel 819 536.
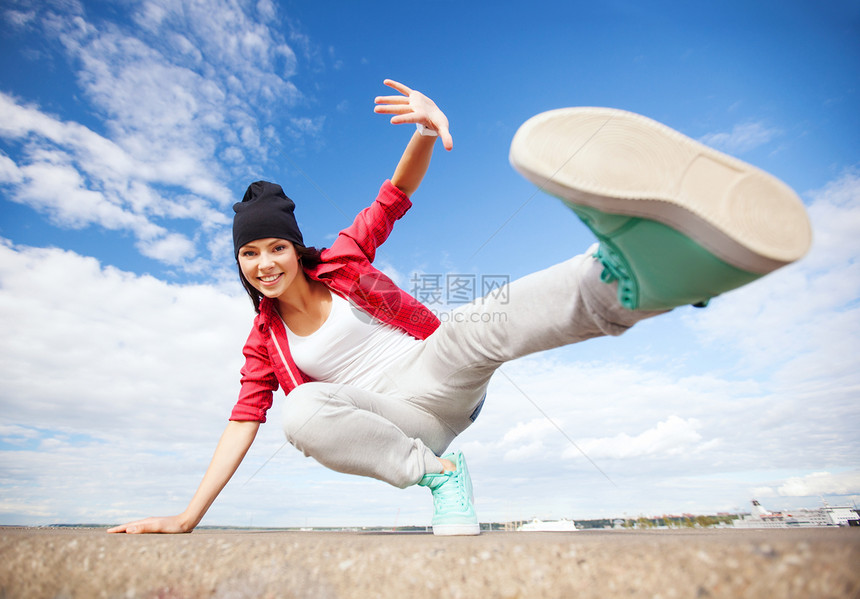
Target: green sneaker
pixel 453 503
pixel 678 222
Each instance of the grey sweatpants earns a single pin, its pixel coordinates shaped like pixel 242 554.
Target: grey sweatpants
pixel 395 431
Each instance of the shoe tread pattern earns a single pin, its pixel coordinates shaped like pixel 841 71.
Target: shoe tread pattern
pixel 625 163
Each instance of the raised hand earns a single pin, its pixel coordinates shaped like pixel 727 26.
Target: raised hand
pixel 414 107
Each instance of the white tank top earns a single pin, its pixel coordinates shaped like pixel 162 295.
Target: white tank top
pixel 350 347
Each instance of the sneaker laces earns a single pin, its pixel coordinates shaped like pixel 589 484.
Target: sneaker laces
pixel 615 269
pixel 451 495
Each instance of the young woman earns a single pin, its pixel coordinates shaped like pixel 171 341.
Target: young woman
pixel 376 386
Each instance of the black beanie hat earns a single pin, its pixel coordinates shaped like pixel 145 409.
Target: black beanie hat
pixel 264 212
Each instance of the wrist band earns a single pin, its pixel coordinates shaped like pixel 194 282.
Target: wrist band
pixel 426 131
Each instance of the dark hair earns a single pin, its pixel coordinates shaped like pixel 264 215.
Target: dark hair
pixel 308 258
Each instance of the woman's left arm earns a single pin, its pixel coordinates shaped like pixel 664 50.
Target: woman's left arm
pixel 414 107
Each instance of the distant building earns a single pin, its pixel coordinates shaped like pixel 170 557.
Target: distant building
pixel 562 525
pixel 826 515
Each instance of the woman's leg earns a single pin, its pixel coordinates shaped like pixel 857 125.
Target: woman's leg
pixel 563 304
pixel 361 432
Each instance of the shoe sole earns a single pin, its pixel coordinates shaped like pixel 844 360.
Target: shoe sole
pixel 623 163
pixel 452 530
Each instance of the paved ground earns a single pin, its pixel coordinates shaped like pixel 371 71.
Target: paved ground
pixel 75 563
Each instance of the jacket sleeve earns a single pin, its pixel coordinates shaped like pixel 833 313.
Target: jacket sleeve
pixel 258 380
pixel 373 225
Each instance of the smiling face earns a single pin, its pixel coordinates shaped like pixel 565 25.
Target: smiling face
pixel 269 265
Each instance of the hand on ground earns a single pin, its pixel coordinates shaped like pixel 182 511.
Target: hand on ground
pixel 169 524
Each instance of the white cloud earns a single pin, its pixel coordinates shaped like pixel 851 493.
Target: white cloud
pixel 525 442
pixel 266 9
pixel 763 492
pixel 59 190
pixel 91 349
pixel 629 418
pixel 37 510
pixel 529 431
pixel 14 434
pixel 190 84
pixel 79 179
pixel 9 171
pixel 822 483
pixel 306 125
pixel 742 138
pixel 670 437
pixel 20 18
pixel 170 249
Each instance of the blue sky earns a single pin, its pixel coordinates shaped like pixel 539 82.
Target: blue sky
pixel 127 129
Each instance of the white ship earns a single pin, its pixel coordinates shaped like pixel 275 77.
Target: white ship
pixel 562 525
pixel 826 515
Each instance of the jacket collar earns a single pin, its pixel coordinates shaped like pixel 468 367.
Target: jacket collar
pixel 268 307
pixel 268 314
pixel 322 269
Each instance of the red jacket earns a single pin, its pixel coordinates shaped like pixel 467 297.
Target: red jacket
pixel 347 270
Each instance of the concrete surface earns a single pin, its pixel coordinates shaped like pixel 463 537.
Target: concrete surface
pixel 75 563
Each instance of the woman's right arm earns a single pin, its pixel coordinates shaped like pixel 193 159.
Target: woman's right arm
pixel 231 450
